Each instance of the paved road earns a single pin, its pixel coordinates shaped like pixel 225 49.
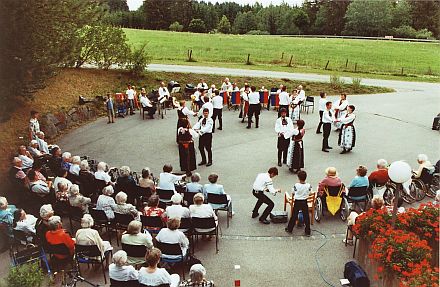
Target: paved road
pixel 393 126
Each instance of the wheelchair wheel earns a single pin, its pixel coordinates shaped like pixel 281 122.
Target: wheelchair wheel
pixel 388 194
pixel 434 185
pixel 420 189
pixel 410 196
pixel 318 209
pixel 344 210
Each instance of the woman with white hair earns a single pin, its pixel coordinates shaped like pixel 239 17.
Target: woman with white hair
pixel 379 177
pixel 119 270
pixel 75 168
pixel 146 181
pixel 134 236
pixel 123 207
pixel 201 210
pixel 127 184
pixel 106 202
pixel 172 235
pixel 422 160
pixel 76 199
pixel 176 209
pixel 57 235
pixel 88 236
pixel 42 225
pixel 7 214
pixel 101 173
pixel 197 275
pixel 66 162
pixel 151 275
pixel 61 177
pixel 87 180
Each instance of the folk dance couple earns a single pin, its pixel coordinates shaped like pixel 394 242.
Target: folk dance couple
pixel 290 145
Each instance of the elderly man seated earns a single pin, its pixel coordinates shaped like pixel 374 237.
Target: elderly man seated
pixel 147 105
pixel 16 173
pixel 380 176
pixel 123 207
pixel 422 160
pixel 42 144
pixel 37 185
pixel 25 157
pixel 101 173
pixel 33 149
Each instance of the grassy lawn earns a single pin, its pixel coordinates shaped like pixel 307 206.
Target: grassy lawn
pixel 366 58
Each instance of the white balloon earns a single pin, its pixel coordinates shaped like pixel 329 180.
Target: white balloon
pixel 399 171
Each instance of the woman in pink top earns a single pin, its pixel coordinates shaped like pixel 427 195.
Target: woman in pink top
pixel 331 179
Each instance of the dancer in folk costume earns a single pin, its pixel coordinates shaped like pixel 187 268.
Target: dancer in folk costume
pixel 187 154
pixel 298 98
pixel 244 104
pixel 340 108
pixel 182 117
pixel 347 134
pixel 284 130
pixel 295 153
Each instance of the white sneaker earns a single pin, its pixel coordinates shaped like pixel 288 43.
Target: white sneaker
pixel 347 241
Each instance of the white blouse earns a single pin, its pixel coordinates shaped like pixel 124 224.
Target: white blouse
pixel 122 273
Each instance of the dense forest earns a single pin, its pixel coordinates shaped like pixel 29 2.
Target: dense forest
pixel 399 18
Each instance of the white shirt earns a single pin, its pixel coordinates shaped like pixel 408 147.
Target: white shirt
pixel 197 96
pixel 27 225
pixel 322 103
pixel 348 118
pixel 327 118
pixel 42 145
pixel 202 86
pixel 160 276
pixel 285 130
pixel 208 106
pixel 226 86
pixel 204 129
pixel 74 169
pixel 301 191
pixel 202 211
pixel 254 98
pixel 27 161
pixel 217 102
pixel 102 175
pixel 166 235
pixel 34 126
pixel 167 180
pixel 187 112
pixel 341 107
pixel 301 96
pixel 284 98
pixel 122 273
pixel 177 210
pixel 145 102
pixel 59 179
pixel 130 94
pixel 39 187
pixel 263 182
pixel 163 92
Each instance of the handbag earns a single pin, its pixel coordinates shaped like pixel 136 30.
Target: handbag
pixel 333 202
pixel 278 216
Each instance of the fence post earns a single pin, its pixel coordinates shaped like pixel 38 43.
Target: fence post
pixel 190 55
pixel 248 61
pixel 326 65
pixel 346 63
pixel 290 62
pixel 401 72
pixel 282 55
pixel 355 67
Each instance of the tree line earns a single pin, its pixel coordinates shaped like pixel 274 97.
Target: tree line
pixel 399 18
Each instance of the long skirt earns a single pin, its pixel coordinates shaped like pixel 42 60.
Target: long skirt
pixel 347 137
pixel 295 155
pixel 180 124
pixel 295 115
pixel 187 157
pixel 341 115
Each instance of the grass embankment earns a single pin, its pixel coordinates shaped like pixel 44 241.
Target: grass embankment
pixel 63 90
pixel 366 58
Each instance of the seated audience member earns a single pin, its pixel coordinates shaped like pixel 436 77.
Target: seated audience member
pixel 57 235
pixel 42 224
pixel 42 144
pixel 194 186
pixel 119 270
pixel 153 208
pixel 61 178
pixel 376 203
pixel 87 180
pixel 331 180
pixel 197 278
pixel 106 202
pixel 38 168
pixel 7 214
pixel 134 236
pixel 176 210
pixel 33 149
pixel 36 185
pixel 146 181
pixel 379 177
pixel 422 160
pixel 167 179
pixel 24 222
pixel 66 162
pixel 25 157
pixel 213 187
pixel 101 173
pixel 88 236
pixel 16 173
pixel 361 179
pixel 76 199
pixel 201 210
pixel 62 195
pixel 74 167
pixel 55 160
pixel 123 207
pixel 126 183
pixel 173 235
pixel 154 276
pixel 147 105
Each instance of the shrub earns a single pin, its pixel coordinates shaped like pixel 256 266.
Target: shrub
pixel 404 31
pixel 424 34
pixel 224 26
pixel 197 26
pixel 336 82
pixel 29 275
pixel 356 83
pixel 257 32
pixel 138 60
pixel 176 27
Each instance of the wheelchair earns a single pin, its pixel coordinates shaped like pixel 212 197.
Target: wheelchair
pixel 332 192
pixel 385 191
pixel 429 181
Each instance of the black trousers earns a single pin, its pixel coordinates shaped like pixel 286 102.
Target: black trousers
pixel 299 205
pixel 281 107
pixel 262 198
pixel 327 127
pixel 217 113
pixel 318 129
pixel 283 146
pixel 205 142
pixel 254 109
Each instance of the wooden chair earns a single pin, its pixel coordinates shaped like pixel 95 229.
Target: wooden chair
pixel 290 199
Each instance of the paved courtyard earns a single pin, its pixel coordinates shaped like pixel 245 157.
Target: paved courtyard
pixel 393 126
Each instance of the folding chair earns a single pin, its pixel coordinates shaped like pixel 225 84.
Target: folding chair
pixel 188 198
pixel 357 195
pixel 142 196
pixel 75 214
pixel 121 222
pixel 173 249
pixel 90 254
pixel 207 223
pixel 58 249
pixel 220 202
pixel 309 102
pixel 131 283
pixel 30 254
pixel 152 223
pixel 165 195
pixel 101 221
pixel 135 251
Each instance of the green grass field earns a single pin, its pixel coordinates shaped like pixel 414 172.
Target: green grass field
pixel 372 58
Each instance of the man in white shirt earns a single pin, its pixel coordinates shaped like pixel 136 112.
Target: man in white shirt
pixel 42 144
pixel 264 183
pixel 301 94
pixel 207 105
pixel 164 94
pixel 167 179
pixel 284 102
pixel 321 107
pixel 34 125
pixel 204 128
pixel 217 104
pixel 130 96
pixel 327 120
pixel 211 91
pixel 254 107
pixel 202 85
pixel 147 105
pixel 284 129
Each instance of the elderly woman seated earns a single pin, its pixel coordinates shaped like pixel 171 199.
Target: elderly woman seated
pixel 75 166
pixel 37 185
pixel 57 235
pixel 119 270
pixel 201 210
pixel 24 222
pixel 422 160
pixel 153 209
pixel 106 202
pixel 134 236
pixel 42 224
pixel 66 162
pixel 33 149
pixel 42 144
pixel 7 214
pixel 88 236
pixel 197 275
pixel 76 199
pixel 172 235
pixel 101 173
pixel 127 184
pixel 213 187
pixel 125 208
pixel 331 180
pixel 87 180
pixel 61 178
pixel 25 157
pixel 154 276
pixel 176 209
pixel 146 181
pixel 194 186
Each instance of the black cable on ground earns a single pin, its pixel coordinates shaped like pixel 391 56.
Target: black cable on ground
pixel 316 259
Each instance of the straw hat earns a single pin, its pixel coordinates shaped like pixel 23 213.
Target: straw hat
pixel 331 171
